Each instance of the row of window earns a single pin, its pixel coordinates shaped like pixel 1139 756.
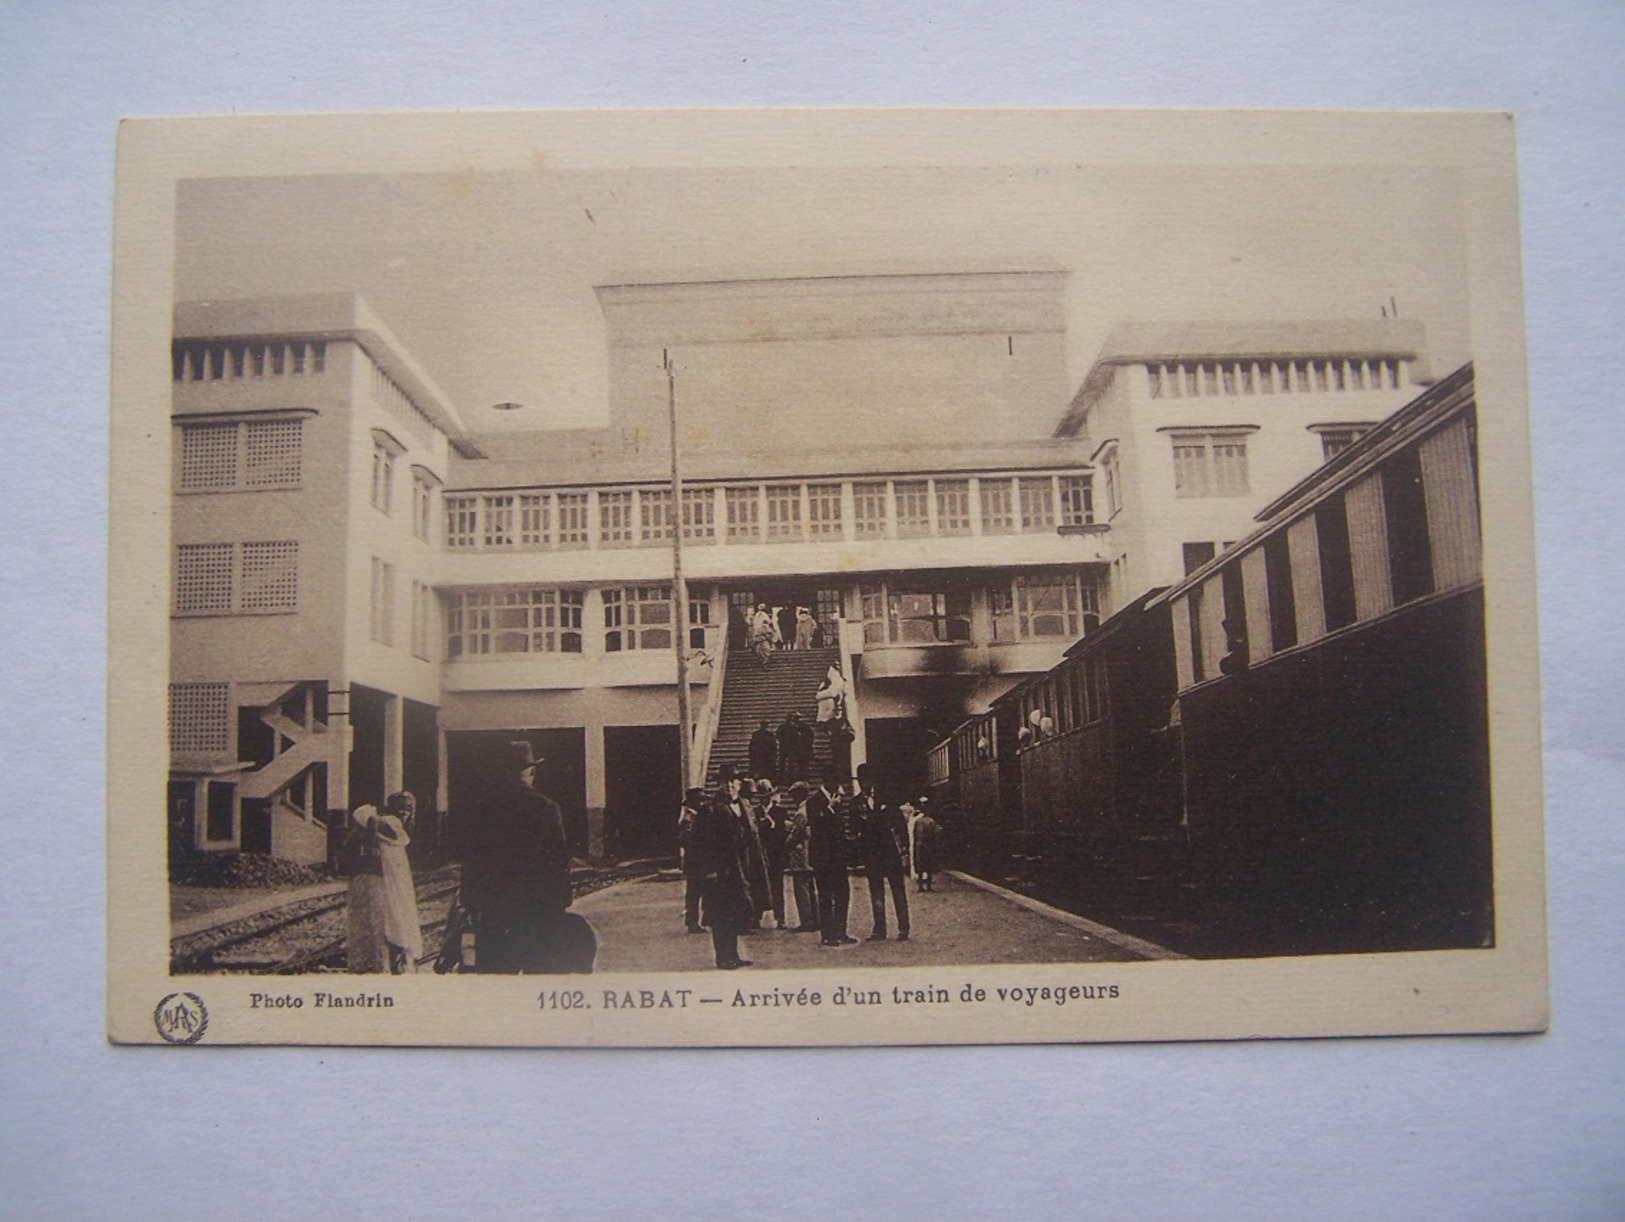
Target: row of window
pixel 545 620
pixel 1028 606
pixel 1405 531
pixel 1073 695
pixel 381 615
pixel 384 454
pixel 1201 379
pixel 770 513
pixel 1214 462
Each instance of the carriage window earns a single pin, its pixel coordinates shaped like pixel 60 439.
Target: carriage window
pixel 1404 501
pixel 1336 564
pixel 1278 583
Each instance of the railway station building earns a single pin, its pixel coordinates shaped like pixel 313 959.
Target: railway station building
pixel 368 596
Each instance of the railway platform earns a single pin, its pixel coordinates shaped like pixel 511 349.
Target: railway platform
pixel 963 920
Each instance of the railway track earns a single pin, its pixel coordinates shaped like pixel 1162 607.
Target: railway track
pixel 308 935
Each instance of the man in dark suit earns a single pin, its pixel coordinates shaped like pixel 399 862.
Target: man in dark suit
pixel 827 851
pixel 516 877
pixel 717 843
pixel 764 752
pixel 883 837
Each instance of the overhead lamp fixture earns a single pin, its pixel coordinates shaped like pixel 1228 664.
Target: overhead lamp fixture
pixel 508 405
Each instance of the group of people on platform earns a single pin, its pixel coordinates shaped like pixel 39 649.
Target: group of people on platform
pixel 740 842
pixel 771 628
pixel 514 896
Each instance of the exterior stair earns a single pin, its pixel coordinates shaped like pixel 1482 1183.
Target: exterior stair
pixel 753 693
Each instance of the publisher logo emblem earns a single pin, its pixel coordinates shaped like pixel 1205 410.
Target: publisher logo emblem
pixel 181 1018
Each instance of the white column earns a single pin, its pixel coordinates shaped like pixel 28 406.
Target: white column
pixel 1255 589
pixel 891 516
pixel 1303 546
pixel 931 507
pixel 975 506
pixel 1452 506
pixel 849 512
pixel 1368 545
pixel 393 745
pixel 1182 643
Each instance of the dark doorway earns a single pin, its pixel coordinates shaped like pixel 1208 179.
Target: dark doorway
pixel 367 747
pixel 825 603
pixel 473 762
pixel 255 834
pixel 896 748
pixel 420 775
pixel 642 790
pixel 182 822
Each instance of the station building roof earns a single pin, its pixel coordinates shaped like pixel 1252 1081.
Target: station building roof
pixel 1142 343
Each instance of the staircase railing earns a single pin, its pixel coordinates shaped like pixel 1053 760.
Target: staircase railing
pixel 705 728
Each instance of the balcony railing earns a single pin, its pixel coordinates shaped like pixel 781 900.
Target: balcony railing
pixel 237 360
pixel 1312 375
pixel 771 512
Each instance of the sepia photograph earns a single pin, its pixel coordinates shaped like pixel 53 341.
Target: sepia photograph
pixel 821 577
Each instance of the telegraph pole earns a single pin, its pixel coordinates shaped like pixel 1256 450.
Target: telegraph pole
pixel 679 586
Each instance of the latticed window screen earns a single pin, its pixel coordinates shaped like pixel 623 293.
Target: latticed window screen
pixel 228 577
pixel 869 510
pixel 208 457
pixel 199 717
pixel 998 517
pixel 272 451
pixel 953 506
pixel 203 577
pixel 270 576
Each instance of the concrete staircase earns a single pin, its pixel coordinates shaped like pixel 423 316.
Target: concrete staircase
pixel 752 693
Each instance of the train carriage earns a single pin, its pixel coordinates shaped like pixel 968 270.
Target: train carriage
pixel 1090 736
pixel 1331 676
pixel 1287 752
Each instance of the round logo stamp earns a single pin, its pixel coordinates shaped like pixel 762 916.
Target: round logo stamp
pixel 181 1018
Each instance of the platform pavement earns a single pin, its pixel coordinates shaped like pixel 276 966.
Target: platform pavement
pixel 961 921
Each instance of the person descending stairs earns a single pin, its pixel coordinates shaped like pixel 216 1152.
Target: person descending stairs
pixel 753 693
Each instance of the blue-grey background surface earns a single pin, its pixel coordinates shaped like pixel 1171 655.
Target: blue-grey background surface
pixel 1529 1127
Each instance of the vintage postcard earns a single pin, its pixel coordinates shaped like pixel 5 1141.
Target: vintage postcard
pixel 820 577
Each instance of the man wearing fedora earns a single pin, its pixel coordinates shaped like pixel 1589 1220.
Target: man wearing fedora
pixel 883 835
pixel 516 876
pixel 717 845
pixel 827 852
